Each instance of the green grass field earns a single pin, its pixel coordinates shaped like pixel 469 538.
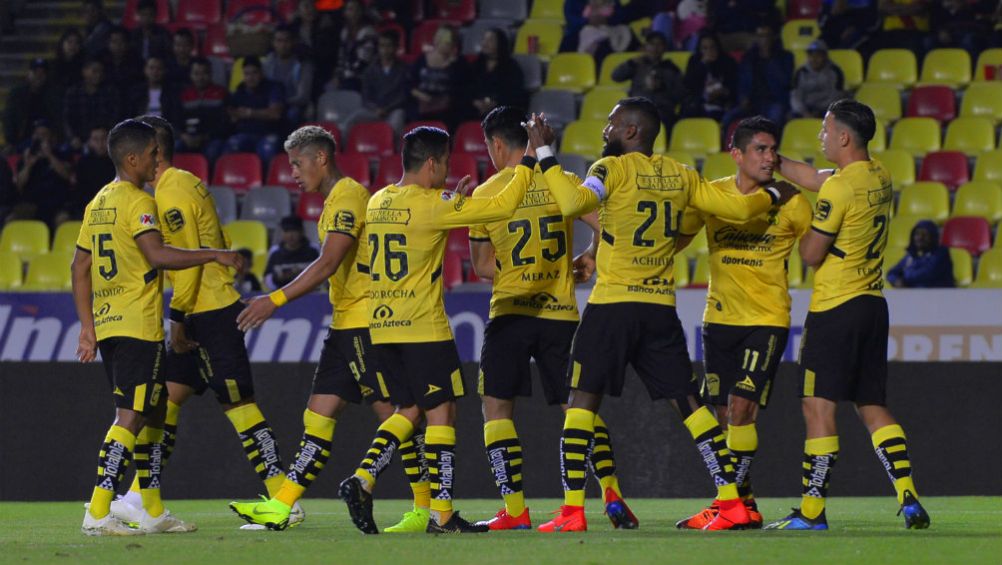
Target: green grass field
pixel 864 530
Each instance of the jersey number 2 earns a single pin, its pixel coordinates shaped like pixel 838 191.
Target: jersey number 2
pixel 879 222
pixel 651 209
pixel 394 261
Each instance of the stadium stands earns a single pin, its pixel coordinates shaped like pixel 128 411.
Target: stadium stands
pixel 968 232
pixel 25 238
pixel 893 66
pixel 239 171
pixel 929 200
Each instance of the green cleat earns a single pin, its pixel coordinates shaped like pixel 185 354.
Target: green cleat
pixel 271 514
pixel 415 521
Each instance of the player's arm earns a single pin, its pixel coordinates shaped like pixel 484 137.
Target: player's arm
pixel 161 256
pixel 707 198
pixel 459 210
pixel 816 244
pixel 181 231
pixel 803 174
pixel 83 301
pixel 482 252
pixel 692 222
pixel 584 263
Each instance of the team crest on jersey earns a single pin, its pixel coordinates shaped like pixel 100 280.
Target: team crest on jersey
pixel 448 195
pixel 344 221
pixel 147 220
pixel 823 210
pixel 599 172
pixel 174 219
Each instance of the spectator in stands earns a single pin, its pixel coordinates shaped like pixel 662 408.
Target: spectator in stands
pixel 358 46
pixel 97 26
pixel 155 96
pixel 816 84
pixel 256 110
pixel 497 79
pixel 847 23
pixel 182 54
pixel 122 68
pixel 291 256
pixel 282 65
pixel 203 124
pixel 691 19
pixel 440 81
pixel 764 77
pixel 385 84
pixel 653 77
pixel 736 21
pixel 33 100
pixel 600 35
pixel 904 26
pixel 317 40
pixel 91 172
pixel 959 24
pixel 245 280
pixel 927 264
pixel 8 191
pixel 43 177
pixel 575 20
pixel 711 80
pixel 69 60
pixel 91 104
pixel 149 38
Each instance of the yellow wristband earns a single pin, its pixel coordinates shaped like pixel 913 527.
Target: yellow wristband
pixel 278 297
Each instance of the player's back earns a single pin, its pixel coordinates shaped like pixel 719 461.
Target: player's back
pixel 344 212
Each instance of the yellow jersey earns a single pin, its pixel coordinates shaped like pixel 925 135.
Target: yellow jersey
pixel 533 251
pixel 127 291
pixel 748 261
pixel 406 229
pixel 344 213
pixel 189 220
pixel 641 200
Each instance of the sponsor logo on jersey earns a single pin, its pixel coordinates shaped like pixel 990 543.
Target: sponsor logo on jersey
pixel 382 312
pixel 102 216
pixel 823 210
pixel 174 219
pixel 147 220
pixel 103 310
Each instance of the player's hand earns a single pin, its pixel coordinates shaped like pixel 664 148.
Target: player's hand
pixel 786 191
pixel 87 347
pixel 179 341
pixel 230 259
pixel 535 128
pixel 584 267
pixel 465 186
pixel 257 311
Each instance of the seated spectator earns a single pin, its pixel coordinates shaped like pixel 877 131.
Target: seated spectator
pixel 385 84
pixel 256 110
pixel 291 256
pixel 150 39
pixel 711 80
pixel 203 123
pixel 600 35
pixel 97 26
pixel 316 40
pixel 497 79
pixel 904 25
pixel 575 19
pixel 69 60
pixel 440 82
pixel 245 280
pixel 33 100
pixel 927 264
pixel 43 178
pixel 93 103
pixel 122 68
pixel 736 21
pixel 816 84
pixel 182 54
pixel 653 77
pixel 358 46
pixel 92 171
pixel 959 24
pixel 296 75
pixel 764 77
pixel 155 96
pixel 847 23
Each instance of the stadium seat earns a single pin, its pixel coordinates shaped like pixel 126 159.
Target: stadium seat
pixel 248 234
pixel 280 173
pixel 239 171
pixel 696 136
pixel 900 164
pixel 949 67
pixel 266 204
pixel 801 135
pixel 558 105
pixel 599 103
pixel 310 206
pixel 884 99
pixel 310 231
pixel 371 138
pixel 680 156
pixel 194 163
pixel 10 271
pixel 199 13
pixel 215 44
pixel 571 71
pixel 979 198
pixel 458 243
pixel 423 123
pixel 718 166
pixel 851 63
pixel 983 100
pixel 548 32
pixel 899 233
pixel 609 64
pixel 968 232
pixel 469 138
pixel 26 238
pixel 947 167
pixel 532 71
pixel 547 10
pixel 963 267
pixel 503 9
pixel 936 102
pixel 226 203
pixel 452 270
pixel 701 273
pixel 681 271
pixel 928 200
pixel 129 15
pixel 574 164
pixel 989 270
pixel 48 273
pixel 680 58
pixel 339 106
pixel 972 136
pixel 583 137
pixel 989 65
pixel 894 66
pixel 879 141
pixel 356 166
pixel 460 165
pixel 389 171
pixel 798 34
pixel 249 12
pixel 918 136
pixel 989 166
pixel 458 10
pixel 65 240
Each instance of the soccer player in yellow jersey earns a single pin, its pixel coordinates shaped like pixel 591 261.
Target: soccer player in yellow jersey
pixel 347 371
pixel 747 317
pixel 117 290
pixel 630 317
pixel 843 352
pixel 533 316
pixel 407 225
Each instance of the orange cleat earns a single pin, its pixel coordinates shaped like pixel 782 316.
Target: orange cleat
pixel 619 513
pixel 733 515
pixel 570 519
pixel 754 516
pixel 505 521
pixel 699 520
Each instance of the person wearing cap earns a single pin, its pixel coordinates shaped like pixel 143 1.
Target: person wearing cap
pixel 35 99
pixel 291 256
pixel 816 84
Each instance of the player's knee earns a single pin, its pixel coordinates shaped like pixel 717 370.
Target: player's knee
pixel 497 408
pixel 741 411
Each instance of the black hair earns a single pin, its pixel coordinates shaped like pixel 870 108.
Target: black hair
pixel 423 143
pixel 748 127
pixel 645 115
pixel 284 28
pixel 505 123
pixel 252 61
pixel 184 32
pixel 129 136
pixel 504 43
pixel 201 61
pixel 651 35
pixel 856 116
pixel 392 35
pixel 165 135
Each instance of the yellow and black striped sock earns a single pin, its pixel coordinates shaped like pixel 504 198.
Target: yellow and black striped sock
pixel 579 430
pixel 390 434
pixel 820 455
pixel 504 453
pixel 743 443
pixel 260 445
pixel 170 437
pixel 314 449
pixel 892 450
pixel 601 458
pixel 713 450
pixel 113 459
pixel 149 464
pixel 416 467
pixel 440 450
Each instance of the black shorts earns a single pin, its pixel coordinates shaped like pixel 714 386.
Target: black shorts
pixel 647 336
pixel 135 372
pixel 220 362
pixel 510 341
pixel 348 369
pixel 426 374
pixel 741 360
pixel 843 352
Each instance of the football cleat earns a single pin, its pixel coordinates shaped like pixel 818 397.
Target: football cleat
pixel 455 525
pixel 107 526
pixel 754 516
pixel 569 519
pixel 270 513
pixel 618 512
pixel 165 523
pixel 415 521
pixel 916 518
pixel 797 521
pixel 359 504
pixel 126 511
pixel 699 520
pixel 733 515
pixel 505 521
pixel 297 516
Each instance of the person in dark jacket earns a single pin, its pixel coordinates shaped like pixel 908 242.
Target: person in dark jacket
pixel 816 84
pixel 927 264
pixel 711 80
pixel 654 77
pixel 497 79
pixel 764 77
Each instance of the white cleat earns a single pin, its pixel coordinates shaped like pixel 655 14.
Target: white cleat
pixel 107 526
pixel 165 523
pixel 296 517
pixel 125 511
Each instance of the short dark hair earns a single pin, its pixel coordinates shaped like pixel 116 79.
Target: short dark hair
pixel 652 35
pixel 423 143
pixel 856 116
pixel 291 223
pixel 252 61
pixel 646 115
pixel 505 123
pixel 184 32
pixel 165 135
pixel 204 61
pixel 390 34
pixel 129 136
pixel 748 127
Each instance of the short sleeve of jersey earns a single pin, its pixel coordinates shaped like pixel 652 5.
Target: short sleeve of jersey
pixel 834 199
pixel 83 238
pixel 347 214
pixel 799 213
pixel 692 222
pixel 609 173
pixel 479 232
pixel 143 216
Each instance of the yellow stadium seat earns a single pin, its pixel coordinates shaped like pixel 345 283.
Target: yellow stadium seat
pixel 989 270
pixel 988 58
pixel 598 103
pixel 894 66
pixel 795 268
pixel 661 142
pixel 925 199
pixel 891 258
pixel 26 238
pixel 972 136
pixel 250 234
pixel 951 67
pixel 979 198
pixel 65 241
pixel 571 71
pixel 583 137
pixel 963 269
pixel 851 63
pixel 696 136
pixel 549 33
pixel 879 141
pixel 611 61
pixel 822 162
pixel 900 164
pixel 547 10
pixel 697 246
pixel 799 58
pixel 900 231
pixel 918 136
pixel 10 271
pixel 48 273
pixel 701 274
pixel 884 99
pixel 983 100
pixel 680 58
pixel 719 165
pixel 640 26
pixel 989 166
pixel 681 269
pixel 801 135
pixel 260 262
pixel 798 34
pixel 681 157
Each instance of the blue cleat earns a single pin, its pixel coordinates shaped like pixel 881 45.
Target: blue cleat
pixel 797 521
pixel 916 518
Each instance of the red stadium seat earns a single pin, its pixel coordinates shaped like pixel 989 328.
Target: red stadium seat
pixel 280 172
pixel 452 270
pixel 935 102
pixel 199 13
pixel 460 10
pixel 423 35
pixel 375 138
pixel 333 129
pixel 215 42
pixel 430 123
pixel 249 11
pixel 460 165
pixel 239 171
pixel 310 206
pixel 470 139
pixel 129 19
pixel 968 232
pixel 13 161
pixel 803 9
pixel 459 243
pixel 194 163
pixel 356 166
pixel 947 167
pixel 391 168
